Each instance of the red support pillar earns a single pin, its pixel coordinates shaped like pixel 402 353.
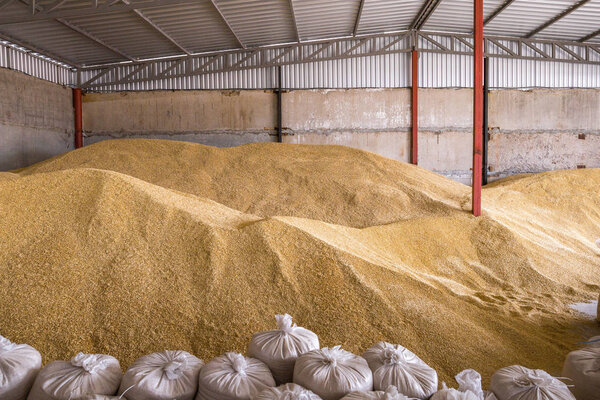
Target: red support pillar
pixel 477 105
pixel 78 121
pixel 415 108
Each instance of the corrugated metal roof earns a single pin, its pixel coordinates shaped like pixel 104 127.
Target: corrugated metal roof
pixel 197 27
pixel 319 19
pixel 112 30
pixel 576 25
pixel 523 16
pixel 457 15
pixel 388 15
pixel 259 22
pixel 58 39
pixel 127 32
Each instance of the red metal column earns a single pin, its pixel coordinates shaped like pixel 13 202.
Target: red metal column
pixel 477 105
pixel 78 123
pixel 415 107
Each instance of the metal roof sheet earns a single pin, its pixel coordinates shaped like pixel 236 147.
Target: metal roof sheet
pixel 318 19
pixel 259 22
pixel 388 15
pixel 88 32
pixel 127 32
pixel 523 16
pixel 57 39
pixel 197 27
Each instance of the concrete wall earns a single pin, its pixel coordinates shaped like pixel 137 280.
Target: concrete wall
pixel 217 118
pixel 531 131
pixel 36 119
pixel 543 129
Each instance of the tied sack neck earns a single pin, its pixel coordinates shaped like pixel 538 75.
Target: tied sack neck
pixel 391 393
pixel 6 345
pixel 332 355
pixel 284 323
pixel 90 363
pixel 175 368
pixel 238 363
pixel 534 379
pixel 289 395
pixel 393 356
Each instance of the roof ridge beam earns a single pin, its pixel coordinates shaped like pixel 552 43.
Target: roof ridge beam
pixel 423 16
pixel 557 18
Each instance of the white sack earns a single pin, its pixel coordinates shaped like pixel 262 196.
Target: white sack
pixel 391 393
pixel 470 380
pixel 85 374
pixel 583 367
pixel 453 394
pixel 289 391
pixel 19 365
pixel 332 373
pixel 520 383
pixel 171 374
pixel 593 342
pixel 233 376
pixel 280 348
pixel 397 366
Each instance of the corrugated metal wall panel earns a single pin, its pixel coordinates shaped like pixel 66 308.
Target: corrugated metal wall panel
pixel 13 57
pixel 437 70
pixel 373 72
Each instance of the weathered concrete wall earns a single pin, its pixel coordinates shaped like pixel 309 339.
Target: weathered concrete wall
pixel 376 120
pixel 543 129
pixel 218 118
pixel 379 120
pixel 531 130
pixel 36 119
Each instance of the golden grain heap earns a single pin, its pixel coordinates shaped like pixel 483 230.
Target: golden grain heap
pixel 132 246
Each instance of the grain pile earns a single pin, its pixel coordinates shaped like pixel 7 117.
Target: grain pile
pixel 133 246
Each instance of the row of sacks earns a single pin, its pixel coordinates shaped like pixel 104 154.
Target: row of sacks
pixel 289 356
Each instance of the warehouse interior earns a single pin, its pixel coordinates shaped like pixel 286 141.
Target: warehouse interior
pixel 418 173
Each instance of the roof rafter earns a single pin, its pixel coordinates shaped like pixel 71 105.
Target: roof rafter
pixel 94 38
pixel 4 3
pixel 424 14
pixel 140 14
pixel 358 15
pixel 38 50
pixel 557 17
pixel 242 45
pixel 497 11
pixel 54 6
pixel 590 36
pixel 81 31
pixel 291 3
pixel 56 11
pixel 161 31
